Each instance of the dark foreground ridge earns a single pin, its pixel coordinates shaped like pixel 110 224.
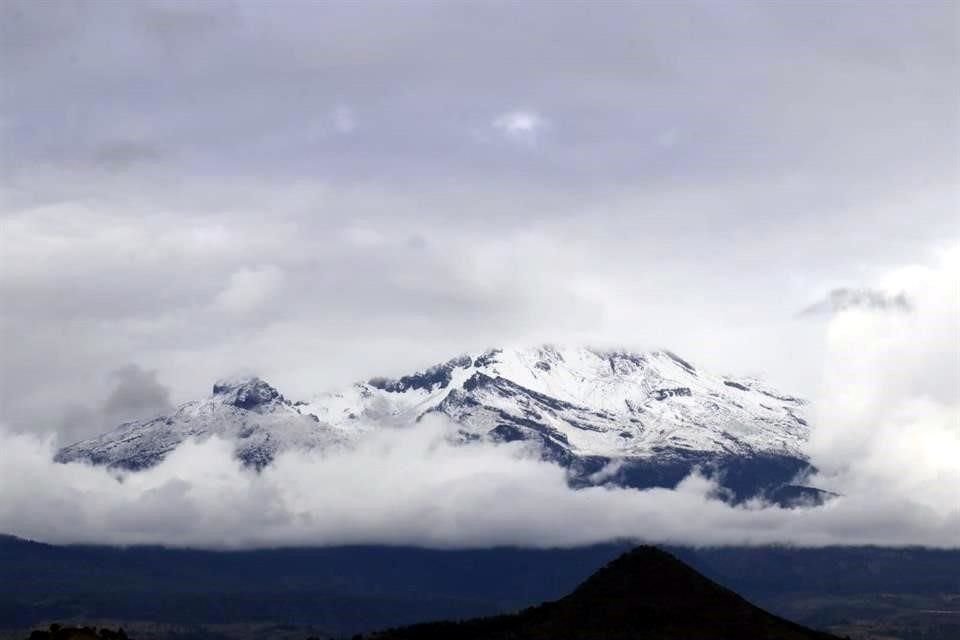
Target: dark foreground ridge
pixel 67 632
pixel 863 592
pixel 644 594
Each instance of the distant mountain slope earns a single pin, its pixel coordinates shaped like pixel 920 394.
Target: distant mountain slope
pixel 653 413
pixel 586 401
pixel 645 594
pixel 249 411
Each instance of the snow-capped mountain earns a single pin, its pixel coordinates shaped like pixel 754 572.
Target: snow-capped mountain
pixel 654 413
pixel 249 411
pixel 587 401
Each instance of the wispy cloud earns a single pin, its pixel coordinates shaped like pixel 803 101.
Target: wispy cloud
pixel 840 300
pixel 343 119
pixel 522 126
pixel 248 288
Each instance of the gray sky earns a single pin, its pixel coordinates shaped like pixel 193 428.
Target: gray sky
pixel 320 192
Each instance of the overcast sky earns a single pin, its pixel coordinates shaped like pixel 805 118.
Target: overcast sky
pixel 319 192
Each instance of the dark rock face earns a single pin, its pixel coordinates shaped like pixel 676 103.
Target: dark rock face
pixel 437 377
pixel 663 394
pixel 769 477
pixel 680 361
pixel 794 495
pixel 551 444
pixel 487 358
pixel 782 398
pixel 246 394
pixel 625 363
pixel 258 455
pixel 506 433
pixel 736 385
pixel 476 381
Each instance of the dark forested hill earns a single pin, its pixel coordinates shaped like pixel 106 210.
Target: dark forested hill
pixel 644 594
pixel 346 590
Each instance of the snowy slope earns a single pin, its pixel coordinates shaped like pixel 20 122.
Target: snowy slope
pixel 579 406
pixel 248 411
pixel 596 402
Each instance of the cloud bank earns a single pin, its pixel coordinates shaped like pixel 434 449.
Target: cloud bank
pixel 409 487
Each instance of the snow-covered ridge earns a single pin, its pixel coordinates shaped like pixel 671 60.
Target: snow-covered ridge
pixel 570 402
pixel 246 410
pixel 602 402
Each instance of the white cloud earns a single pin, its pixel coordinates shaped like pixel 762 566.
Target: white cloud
pixel 668 139
pixel 889 410
pixel 408 486
pixel 249 288
pixel 344 121
pixel 363 236
pixel 521 126
pixel 321 127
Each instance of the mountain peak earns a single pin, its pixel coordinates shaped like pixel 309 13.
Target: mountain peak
pixel 627 576
pixel 646 593
pixel 580 406
pixel 435 377
pixel 546 355
pixel 246 392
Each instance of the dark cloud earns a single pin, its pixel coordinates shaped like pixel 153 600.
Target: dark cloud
pixel 845 299
pixel 137 394
pixel 77 422
pixel 123 154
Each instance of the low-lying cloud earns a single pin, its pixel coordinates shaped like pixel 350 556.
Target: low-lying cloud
pixel 410 486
